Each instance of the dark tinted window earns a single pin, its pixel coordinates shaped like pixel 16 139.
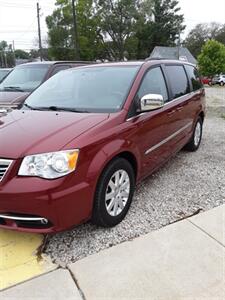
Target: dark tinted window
pixel 194 76
pixel 58 69
pixel 178 80
pixel 153 83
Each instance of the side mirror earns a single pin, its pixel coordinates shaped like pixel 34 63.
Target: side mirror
pixel 151 102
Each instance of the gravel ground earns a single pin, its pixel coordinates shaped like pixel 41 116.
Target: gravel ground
pixel 188 182
pixel 215 99
pixel 215 95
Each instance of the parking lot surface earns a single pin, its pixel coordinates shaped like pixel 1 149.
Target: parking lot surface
pixel 215 97
pixel 187 183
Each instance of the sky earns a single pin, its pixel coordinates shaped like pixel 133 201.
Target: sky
pixel 202 11
pixel 18 19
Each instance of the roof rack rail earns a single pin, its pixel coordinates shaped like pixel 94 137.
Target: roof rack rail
pixel 158 58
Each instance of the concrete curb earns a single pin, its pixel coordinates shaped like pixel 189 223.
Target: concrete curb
pixel 185 260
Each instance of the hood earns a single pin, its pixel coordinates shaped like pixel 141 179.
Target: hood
pixel 30 132
pixel 12 98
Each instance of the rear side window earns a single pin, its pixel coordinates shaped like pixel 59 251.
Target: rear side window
pixel 59 68
pixel 194 77
pixel 153 83
pixel 178 80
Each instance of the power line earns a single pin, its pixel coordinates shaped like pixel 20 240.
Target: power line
pixel 21 5
pixel 20 31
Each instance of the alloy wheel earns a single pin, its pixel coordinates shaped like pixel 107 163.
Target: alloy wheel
pixel 117 193
pixel 198 133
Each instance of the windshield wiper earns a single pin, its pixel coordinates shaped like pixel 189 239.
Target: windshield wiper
pixel 13 88
pixel 61 108
pixel 55 108
pixel 29 106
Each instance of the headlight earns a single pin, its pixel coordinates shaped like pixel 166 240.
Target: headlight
pixel 49 165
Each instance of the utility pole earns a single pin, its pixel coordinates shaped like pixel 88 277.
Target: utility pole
pixel 2 59
pixel 39 31
pixel 13 50
pixel 75 37
pixel 6 61
pixel 178 46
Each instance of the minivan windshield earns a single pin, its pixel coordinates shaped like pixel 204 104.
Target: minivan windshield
pixel 93 89
pixel 24 78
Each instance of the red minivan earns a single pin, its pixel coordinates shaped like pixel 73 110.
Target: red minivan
pixel 83 140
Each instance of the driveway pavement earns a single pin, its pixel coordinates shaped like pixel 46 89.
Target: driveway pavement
pixel 185 260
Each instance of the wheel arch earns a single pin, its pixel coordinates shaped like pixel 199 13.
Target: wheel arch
pixel 108 154
pixel 130 157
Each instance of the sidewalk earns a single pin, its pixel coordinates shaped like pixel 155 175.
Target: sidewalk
pixel 185 261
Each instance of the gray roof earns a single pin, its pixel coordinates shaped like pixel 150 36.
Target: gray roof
pixel 172 53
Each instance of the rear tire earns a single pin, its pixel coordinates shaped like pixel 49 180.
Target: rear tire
pixel 114 193
pixel 196 138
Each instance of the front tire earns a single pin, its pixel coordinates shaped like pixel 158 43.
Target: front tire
pixel 196 138
pixel 114 193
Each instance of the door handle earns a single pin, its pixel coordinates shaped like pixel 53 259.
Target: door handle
pixel 180 108
pixel 170 113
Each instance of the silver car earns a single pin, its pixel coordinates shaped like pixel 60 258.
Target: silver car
pixel 219 79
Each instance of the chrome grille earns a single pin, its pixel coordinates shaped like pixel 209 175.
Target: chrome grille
pixel 4 166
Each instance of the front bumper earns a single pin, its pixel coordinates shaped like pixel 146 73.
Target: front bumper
pixel 44 206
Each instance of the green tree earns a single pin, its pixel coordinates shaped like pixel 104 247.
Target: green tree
pixel 136 27
pixel 201 33
pixel 220 36
pixel 162 26
pixel 91 46
pixel 168 23
pixel 117 21
pixel 6 55
pixel 114 29
pixel 35 54
pixel 212 58
pixel 60 30
pixel 21 54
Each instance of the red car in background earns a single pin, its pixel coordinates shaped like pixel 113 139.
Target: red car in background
pixel 206 80
pixel 87 136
